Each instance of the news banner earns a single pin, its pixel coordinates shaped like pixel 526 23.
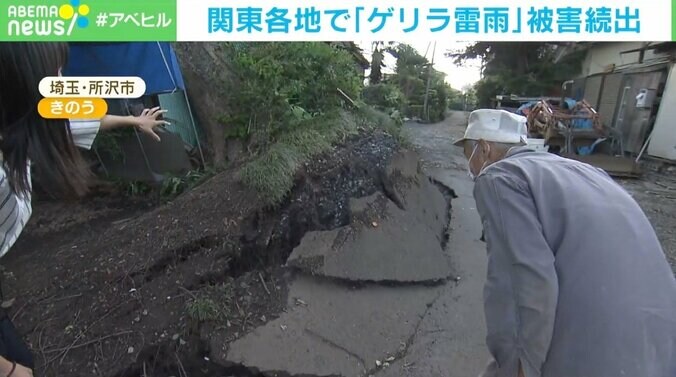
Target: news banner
pixel 348 20
pixel 310 20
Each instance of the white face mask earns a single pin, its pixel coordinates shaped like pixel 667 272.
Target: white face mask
pixel 473 176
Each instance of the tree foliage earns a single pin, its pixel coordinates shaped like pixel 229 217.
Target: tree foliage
pixel 457 100
pixel 379 49
pixel 282 84
pixel 386 97
pixel 288 107
pixel 471 100
pixel 412 74
pixel 405 90
pixel 521 68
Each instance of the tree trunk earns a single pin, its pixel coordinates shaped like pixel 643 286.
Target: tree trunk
pixel 206 74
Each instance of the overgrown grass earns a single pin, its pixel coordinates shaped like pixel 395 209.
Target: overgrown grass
pixel 272 173
pixel 174 186
pixel 203 309
pixel 306 141
pixel 170 187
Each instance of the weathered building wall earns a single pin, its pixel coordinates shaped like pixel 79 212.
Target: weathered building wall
pixel 613 77
pixel 603 55
pixel 663 141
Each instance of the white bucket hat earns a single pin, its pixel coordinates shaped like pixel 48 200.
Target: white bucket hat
pixel 498 126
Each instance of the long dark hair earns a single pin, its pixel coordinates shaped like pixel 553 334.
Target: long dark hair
pixel 25 134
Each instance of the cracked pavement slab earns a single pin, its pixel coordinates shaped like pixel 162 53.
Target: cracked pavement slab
pixel 396 248
pixel 395 236
pixel 334 330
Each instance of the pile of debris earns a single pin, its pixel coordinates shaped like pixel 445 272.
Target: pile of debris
pixel 575 130
pixel 544 117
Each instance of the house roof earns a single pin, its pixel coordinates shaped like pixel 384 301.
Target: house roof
pixel 659 47
pixel 569 48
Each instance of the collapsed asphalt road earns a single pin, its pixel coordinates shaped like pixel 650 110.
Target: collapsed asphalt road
pixel 396 292
pixel 385 284
pixel 337 325
pixel 197 287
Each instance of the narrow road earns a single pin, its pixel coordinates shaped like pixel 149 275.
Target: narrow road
pixel 450 341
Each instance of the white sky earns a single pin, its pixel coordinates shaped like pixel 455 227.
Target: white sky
pixel 458 76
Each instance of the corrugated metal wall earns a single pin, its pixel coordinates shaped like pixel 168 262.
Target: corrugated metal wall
pixel 606 93
pixel 609 98
pixel 663 142
pixel 637 120
pixel 592 90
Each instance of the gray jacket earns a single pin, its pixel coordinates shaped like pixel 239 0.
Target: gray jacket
pixel 578 284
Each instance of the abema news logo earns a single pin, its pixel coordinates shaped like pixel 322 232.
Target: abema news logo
pixel 45 21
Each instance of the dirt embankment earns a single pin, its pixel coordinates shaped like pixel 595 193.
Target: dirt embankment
pixel 120 293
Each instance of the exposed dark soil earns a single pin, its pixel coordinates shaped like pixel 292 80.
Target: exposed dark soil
pixel 54 218
pixel 109 287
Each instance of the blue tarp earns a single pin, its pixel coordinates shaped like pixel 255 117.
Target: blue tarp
pixel 525 106
pixel 142 59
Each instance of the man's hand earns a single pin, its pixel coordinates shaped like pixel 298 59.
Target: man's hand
pixel 147 121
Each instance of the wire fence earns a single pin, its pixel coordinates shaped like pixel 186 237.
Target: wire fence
pixel 131 156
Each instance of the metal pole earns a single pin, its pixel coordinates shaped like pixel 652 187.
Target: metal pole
pixel 185 94
pixel 623 105
pixel 194 129
pixel 128 110
pixel 619 122
pixel 426 112
pixel 140 144
pixel 563 91
pixel 645 145
pixel 103 165
pixel 154 175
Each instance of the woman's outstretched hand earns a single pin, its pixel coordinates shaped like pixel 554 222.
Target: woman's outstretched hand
pixel 147 121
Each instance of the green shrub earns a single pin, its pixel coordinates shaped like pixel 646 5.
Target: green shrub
pixel 386 97
pixel 375 119
pixel 284 83
pixel 287 106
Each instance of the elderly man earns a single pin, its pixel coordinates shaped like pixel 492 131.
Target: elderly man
pixel 578 284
